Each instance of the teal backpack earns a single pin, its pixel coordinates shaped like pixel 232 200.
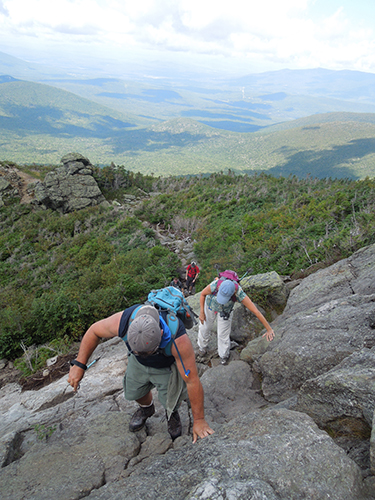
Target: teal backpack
pixel 172 300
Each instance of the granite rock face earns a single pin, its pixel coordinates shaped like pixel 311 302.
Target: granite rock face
pixel 328 317
pixel 71 446
pixel 346 390
pixel 293 419
pixel 70 187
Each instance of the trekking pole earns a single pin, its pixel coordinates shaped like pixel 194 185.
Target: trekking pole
pixel 92 362
pixel 217 267
pixel 247 272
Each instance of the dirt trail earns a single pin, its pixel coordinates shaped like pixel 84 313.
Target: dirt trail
pixel 26 179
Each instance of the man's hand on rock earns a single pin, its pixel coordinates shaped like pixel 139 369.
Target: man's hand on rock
pixel 75 376
pixel 201 429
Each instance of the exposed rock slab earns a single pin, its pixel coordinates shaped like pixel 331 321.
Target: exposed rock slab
pixel 314 341
pixel 271 454
pixel 354 275
pixel 328 317
pixel 372 449
pixel 229 391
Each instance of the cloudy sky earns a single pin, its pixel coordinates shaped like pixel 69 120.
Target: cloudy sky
pixel 261 35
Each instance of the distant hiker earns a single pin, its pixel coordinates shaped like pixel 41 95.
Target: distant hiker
pixel 156 359
pixel 176 283
pixel 218 299
pixel 192 273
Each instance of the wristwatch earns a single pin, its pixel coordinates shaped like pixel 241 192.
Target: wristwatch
pixel 77 363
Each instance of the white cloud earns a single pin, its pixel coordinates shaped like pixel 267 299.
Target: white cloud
pixel 272 31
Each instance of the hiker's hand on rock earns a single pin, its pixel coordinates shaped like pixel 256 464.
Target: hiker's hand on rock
pixel 202 317
pixel 270 335
pixel 201 429
pixel 75 376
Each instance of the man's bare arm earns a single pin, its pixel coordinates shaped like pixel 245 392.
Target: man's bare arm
pixel 105 328
pixel 194 387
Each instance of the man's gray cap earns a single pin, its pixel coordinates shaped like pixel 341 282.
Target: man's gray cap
pixel 144 333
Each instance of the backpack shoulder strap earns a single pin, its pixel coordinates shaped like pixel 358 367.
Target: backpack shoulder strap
pixel 172 322
pixel 134 313
pixel 218 283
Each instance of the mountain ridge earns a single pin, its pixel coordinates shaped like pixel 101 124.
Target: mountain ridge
pixel 181 129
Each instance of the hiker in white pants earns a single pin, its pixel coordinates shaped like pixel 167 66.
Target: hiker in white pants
pixel 217 300
pixel 223 332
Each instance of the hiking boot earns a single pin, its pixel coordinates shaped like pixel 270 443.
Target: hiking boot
pixel 174 425
pixel 139 418
pixel 224 361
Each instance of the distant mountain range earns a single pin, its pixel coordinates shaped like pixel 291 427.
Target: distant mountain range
pixel 256 122
pixel 344 85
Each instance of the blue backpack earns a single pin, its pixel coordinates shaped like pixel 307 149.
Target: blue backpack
pixel 172 300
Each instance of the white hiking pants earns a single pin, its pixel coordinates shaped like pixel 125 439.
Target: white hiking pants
pixel 223 331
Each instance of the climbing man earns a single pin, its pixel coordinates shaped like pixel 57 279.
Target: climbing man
pixel 217 300
pixel 155 359
pixel 192 273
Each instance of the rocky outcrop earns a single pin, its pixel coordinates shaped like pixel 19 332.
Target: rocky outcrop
pixel 348 389
pixel 328 317
pixel 263 455
pixel 322 361
pixel 70 187
pixel 293 419
pixel 10 183
pixel 270 285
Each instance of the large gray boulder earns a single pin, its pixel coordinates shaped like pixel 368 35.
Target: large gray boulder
pixel 314 341
pixel 70 187
pixel 229 391
pixel 348 389
pixel 270 285
pixel 351 276
pixel 327 318
pixel 322 359
pixel 4 184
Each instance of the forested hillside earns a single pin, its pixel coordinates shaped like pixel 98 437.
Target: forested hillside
pixel 39 123
pixel 59 273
